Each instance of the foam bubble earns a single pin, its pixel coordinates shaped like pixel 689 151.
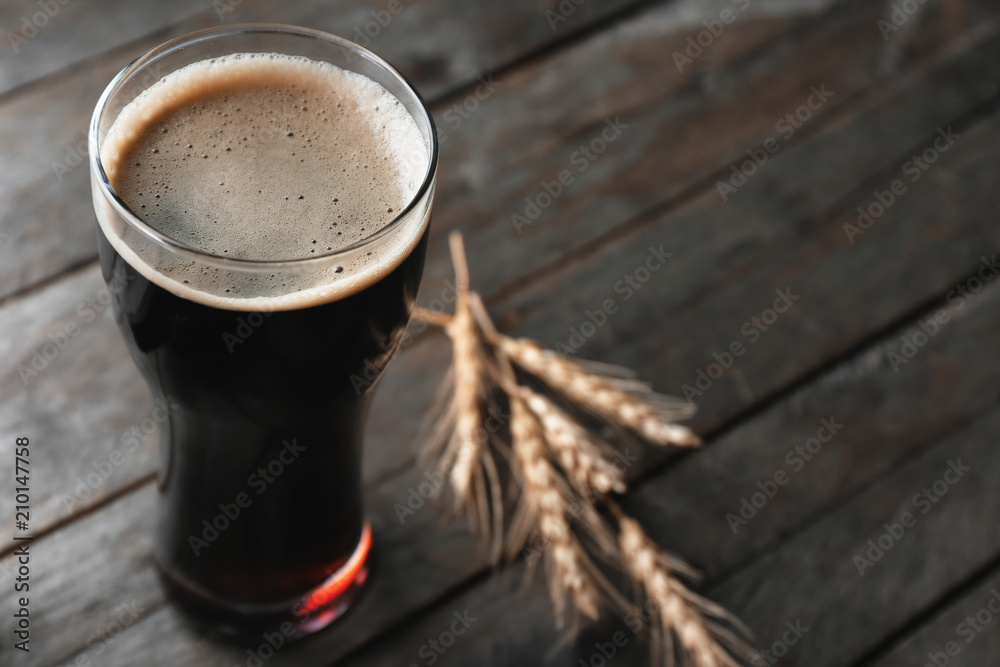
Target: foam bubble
pixel 266 157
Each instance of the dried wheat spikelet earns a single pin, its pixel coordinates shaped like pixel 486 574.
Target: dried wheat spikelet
pixel 563 470
pixel 582 455
pixel 681 617
pixel 544 508
pixel 461 442
pixel 618 400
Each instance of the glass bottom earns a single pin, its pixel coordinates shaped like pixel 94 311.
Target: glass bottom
pixel 293 619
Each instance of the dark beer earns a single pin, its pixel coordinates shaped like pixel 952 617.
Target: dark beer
pixel 270 280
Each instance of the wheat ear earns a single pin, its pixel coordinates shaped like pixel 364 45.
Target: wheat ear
pixel 615 399
pixel 677 613
pixel 466 449
pixel 544 508
pixel 584 457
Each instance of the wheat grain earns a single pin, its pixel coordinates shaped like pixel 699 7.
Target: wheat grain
pixel 681 614
pixel 557 501
pixel 580 453
pixel 618 400
pixel 544 508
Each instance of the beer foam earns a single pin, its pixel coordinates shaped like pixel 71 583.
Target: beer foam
pixel 267 158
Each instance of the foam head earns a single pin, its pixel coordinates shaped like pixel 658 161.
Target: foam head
pixel 266 159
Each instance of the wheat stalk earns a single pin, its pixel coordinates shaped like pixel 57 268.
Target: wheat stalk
pixel 618 400
pixel 462 443
pixel 681 615
pixel 562 468
pixel 543 508
pixel 583 456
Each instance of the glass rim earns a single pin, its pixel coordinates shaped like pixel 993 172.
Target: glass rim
pixel 183 249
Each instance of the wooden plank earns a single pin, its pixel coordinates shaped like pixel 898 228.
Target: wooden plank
pixel 868 237
pixel 951 638
pixel 124 529
pixel 681 130
pixel 46 217
pixel 899 126
pixel 32 330
pixel 72 565
pixel 932 401
pixel 962 398
pixel 42 37
pixel 821 582
pixel 815 524
pixel 776 228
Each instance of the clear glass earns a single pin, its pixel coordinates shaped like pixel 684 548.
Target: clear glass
pixel 260 514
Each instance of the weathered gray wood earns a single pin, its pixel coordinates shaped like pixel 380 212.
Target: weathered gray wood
pixel 777 232
pixel 810 575
pixel 155 627
pixel 950 638
pixel 88 588
pixel 40 38
pixel 683 128
pixel 72 565
pixel 46 218
pixel 932 400
pixel 906 421
pixel 719 244
pixel 77 454
pixel 33 319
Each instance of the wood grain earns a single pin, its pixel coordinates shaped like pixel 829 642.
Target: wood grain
pixel 815 525
pixel 900 124
pixel 46 217
pixel 714 553
pixel 40 38
pixel 788 230
pixel 951 638
pixel 34 319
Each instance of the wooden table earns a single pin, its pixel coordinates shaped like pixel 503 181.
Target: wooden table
pixel 833 311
